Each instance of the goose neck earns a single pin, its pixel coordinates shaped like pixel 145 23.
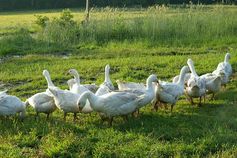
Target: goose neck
pixel 107 78
pixel 226 59
pixel 181 78
pixel 77 78
pixel 149 85
pixel 92 98
pixel 49 81
pixel 192 68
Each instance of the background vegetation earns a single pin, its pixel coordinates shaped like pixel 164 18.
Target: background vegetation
pixel 158 26
pixel 50 4
pixel 136 43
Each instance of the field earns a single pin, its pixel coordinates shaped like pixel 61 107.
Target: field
pixel 191 131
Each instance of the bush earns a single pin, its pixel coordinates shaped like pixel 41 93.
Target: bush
pixel 41 20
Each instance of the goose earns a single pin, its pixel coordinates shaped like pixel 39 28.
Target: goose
pixel 91 87
pixel 213 83
pixel 224 69
pixel 129 85
pixel 196 87
pixel 186 78
pixel 3 93
pixel 111 104
pixel 168 92
pixel 43 102
pixel 77 88
pixel 148 92
pixel 67 102
pixel 11 105
pixel 107 86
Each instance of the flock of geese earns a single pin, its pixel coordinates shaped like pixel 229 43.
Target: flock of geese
pixel 127 99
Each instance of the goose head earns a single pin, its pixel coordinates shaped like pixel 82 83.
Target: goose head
pixel 48 78
pixel 185 69
pixel 227 57
pixel 152 78
pixel 73 72
pixel 107 67
pixel 45 72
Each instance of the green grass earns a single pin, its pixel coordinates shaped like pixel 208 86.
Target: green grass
pixel 190 131
pixel 194 26
pixel 162 44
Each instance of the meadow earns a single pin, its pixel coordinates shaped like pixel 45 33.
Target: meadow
pixel 136 43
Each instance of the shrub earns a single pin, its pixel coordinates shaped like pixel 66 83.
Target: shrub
pixel 41 20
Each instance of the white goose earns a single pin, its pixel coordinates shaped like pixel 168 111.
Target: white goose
pixel 213 83
pixel 3 93
pixel 169 93
pixel 149 91
pixel 11 105
pixel 196 87
pixel 107 86
pixel 111 104
pixel 43 102
pixel 186 78
pixel 129 85
pixel 77 88
pixel 67 102
pixel 224 69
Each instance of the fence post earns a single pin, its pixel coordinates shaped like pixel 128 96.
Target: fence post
pixel 87 11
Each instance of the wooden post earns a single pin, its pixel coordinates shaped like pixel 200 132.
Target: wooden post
pixel 87 11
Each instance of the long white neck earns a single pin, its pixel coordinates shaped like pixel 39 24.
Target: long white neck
pixel 92 99
pixel 107 78
pixel 192 69
pixel 226 58
pixel 49 81
pixel 77 78
pixel 181 77
pixel 149 86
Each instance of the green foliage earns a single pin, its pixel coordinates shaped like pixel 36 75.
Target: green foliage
pixel 157 26
pixel 41 20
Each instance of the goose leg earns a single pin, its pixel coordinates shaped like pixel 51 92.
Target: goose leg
pixel 65 115
pixel 37 115
pixel 48 115
pixel 103 118
pixel 110 121
pixel 200 101
pixel 191 101
pixel 75 117
pixel 156 105
pixel 171 110
pixel 213 95
pixel 125 117
pixel 136 113
pixel 166 107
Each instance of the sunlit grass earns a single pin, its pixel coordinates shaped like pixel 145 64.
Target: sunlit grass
pixel 208 131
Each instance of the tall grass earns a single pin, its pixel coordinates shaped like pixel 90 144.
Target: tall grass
pixel 155 26
pixel 159 25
